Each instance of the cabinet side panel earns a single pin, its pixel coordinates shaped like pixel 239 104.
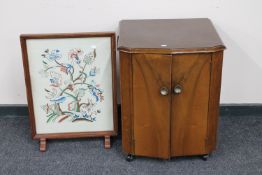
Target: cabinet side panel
pixel 190 107
pixel 151 72
pixel 215 86
pixel 126 100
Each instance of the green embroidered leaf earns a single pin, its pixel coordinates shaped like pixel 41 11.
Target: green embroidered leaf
pixel 49 115
pixel 50 118
pixel 54 118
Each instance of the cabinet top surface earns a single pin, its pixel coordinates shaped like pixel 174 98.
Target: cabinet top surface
pixel 169 35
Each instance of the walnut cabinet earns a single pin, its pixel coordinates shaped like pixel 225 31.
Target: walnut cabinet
pixel 170 78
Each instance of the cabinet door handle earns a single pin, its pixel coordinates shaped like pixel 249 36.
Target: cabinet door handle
pixel 178 89
pixel 164 91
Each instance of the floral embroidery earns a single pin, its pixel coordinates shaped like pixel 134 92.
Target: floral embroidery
pixel 73 93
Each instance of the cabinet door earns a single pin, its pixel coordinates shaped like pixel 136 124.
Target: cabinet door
pixel 189 114
pixel 151 110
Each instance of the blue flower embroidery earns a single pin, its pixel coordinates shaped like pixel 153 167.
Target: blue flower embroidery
pixel 59 99
pixel 76 115
pixel 94 93
pixel 69 68
pixel 77 60
pixel 54 55
pixel 92 73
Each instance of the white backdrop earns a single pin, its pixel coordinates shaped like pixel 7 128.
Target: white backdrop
pixel 239 22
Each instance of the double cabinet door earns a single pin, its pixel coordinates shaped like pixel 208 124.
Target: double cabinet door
pixel 170 104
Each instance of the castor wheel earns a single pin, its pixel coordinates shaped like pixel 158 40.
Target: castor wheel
pixel 205 157
pixel 129 157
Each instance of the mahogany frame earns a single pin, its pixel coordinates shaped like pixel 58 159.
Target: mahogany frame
pixel 43 137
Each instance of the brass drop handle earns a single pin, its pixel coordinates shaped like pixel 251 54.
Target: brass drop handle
pixel 164 91
pixel 178 89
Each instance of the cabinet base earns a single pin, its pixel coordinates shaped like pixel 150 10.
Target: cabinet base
pixel 131 157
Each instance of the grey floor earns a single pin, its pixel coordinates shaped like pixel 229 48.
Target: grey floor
pixel 239 152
